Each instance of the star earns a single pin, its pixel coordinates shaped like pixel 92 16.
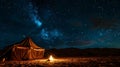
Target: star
pixel 57 23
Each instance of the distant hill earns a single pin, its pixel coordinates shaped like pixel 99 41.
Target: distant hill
pixel 75 52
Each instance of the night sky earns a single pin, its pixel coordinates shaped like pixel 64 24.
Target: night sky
pixel 61 23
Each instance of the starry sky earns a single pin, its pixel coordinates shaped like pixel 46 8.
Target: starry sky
pixel 61 23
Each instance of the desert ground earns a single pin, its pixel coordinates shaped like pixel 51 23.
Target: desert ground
pixel 111 61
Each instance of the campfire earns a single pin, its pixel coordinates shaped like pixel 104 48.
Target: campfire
pixel 51 58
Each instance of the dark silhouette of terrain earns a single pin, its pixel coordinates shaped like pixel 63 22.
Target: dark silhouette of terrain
pixel 76 52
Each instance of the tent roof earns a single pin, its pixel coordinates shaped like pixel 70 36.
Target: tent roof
pixel 27 42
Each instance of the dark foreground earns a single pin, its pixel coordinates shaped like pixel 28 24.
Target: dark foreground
pixel 67 62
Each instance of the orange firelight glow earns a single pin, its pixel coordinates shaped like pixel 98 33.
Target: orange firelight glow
pixel 51 58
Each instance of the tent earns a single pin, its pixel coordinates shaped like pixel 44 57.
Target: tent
pixel 25 50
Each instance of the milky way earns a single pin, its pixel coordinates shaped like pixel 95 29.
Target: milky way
pixel 33 15
pixel 61 23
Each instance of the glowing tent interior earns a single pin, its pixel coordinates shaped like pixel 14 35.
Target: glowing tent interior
pixel 25 50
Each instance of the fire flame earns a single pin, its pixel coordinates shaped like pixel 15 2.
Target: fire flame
pixel 51 58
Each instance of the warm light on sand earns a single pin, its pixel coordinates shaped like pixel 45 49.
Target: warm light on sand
pixel 51 58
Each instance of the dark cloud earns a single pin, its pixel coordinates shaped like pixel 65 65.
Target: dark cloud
pixel 80 43
pixel 104 23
